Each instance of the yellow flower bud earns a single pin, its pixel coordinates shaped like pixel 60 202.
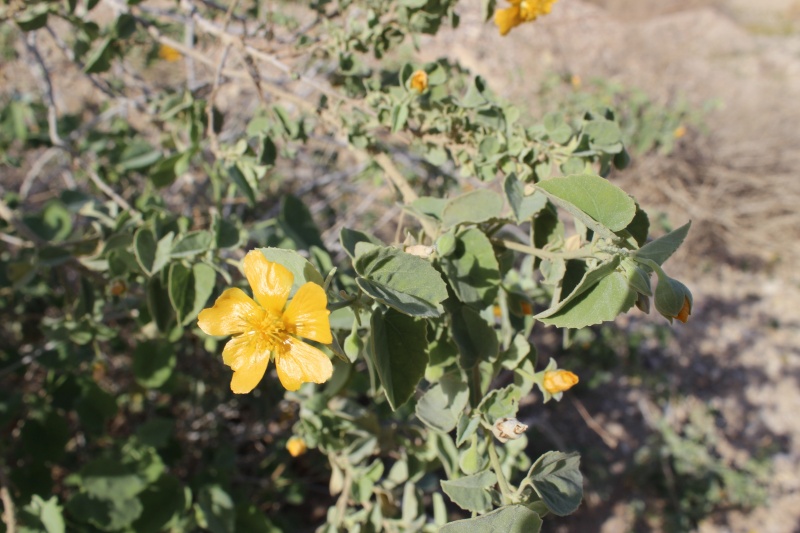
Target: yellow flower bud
pixel 169 54
pixel 556 381
pixel 296 446
pixel 686 310
pixel 419 81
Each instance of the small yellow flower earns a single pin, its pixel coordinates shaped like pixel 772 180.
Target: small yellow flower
pixel 556 381
pixel 686 310
pixel 419 81
pixel 296 446
pixel 169 54
pixel 575 81
pixel 679 132
pixel 263 328
pixel 519 12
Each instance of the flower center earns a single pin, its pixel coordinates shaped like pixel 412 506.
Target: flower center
pixel 269 330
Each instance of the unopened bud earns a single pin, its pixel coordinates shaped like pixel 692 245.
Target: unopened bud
pixel 419 81
pixel 296 446
pixel 506 429
pixel 556 381
pixel 420 250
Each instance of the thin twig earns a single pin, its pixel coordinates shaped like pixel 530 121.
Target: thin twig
pixel 9 514
pixel 212 135
pixel 610 440
pixel 44 76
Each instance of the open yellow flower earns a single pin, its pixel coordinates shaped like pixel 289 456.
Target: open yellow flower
pixel 263 328
pixel 521 11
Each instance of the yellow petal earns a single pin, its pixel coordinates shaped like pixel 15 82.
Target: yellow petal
pixel 300 362
pixel 505 19
pixel 307 315
pixel 249 363
pixel 233 312
pixel 271 282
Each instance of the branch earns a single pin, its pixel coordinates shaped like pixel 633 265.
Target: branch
pixel 44 75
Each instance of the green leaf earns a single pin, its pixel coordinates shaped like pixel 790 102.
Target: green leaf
pixel 430 206
pixel 162 501
pixel 100 59
pixel 158 304
pixel 95 407
pixel 302 270
pixel 604 135
pixel 603 302
pixel 54 223
pixel 151 255
pixel 472 208
pixel 153 362
pixel 442 404
pixel 467 425
pixel 586 194
pixel 45 437
pixel 243 182
pixel 500 403
pixel 46 512
pixel 662 248
pixel 350 238
pixel 227 233
pixel 507 519
pixel 475 96
pixel 557 480
pixel 524 207
pixel 193 243
pixel 217 512
pixel 639 227
pixel 471 492
pixel 105 514
pixel 399 350
pixel 33 18
pixel 189 289
pixel 109 479
pixel 403 281
pixel 475 338
pixel 589 279
pixel 296 221
pixel 138 155
pixel 399 116
pixel 472 269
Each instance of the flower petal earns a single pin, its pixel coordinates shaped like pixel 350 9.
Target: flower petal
pixel 307 315
pixel 271 282
pixel 248 361
pixel 505 19
pixel 299 362
pixel 232 313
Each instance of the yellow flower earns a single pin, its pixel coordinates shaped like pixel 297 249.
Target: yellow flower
pixel 521 11
pixel 167 53
pixel 556 381
pixel 296 446
pixel 679 132
pixel 686 310
pixel 263 328
pixel 419 81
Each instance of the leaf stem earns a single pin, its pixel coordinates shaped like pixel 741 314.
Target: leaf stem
pixel 505 489
pixel 544 254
